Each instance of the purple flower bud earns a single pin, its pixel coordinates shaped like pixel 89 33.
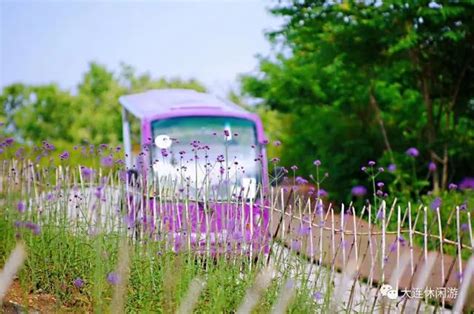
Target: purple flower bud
pixel 64 155
pixel 277 143
pixel 78 283
pixel 317 163
pixel 359 191
pixel 467 183
pixel 107 161
pixel 412 152
pixel 381 169
pixel 379 193
pixel 275 160
pixel 113 278
pixel 363 169
pixel 464 227
pixel 436 204
pixel 21 207
pixel 392 168
pixel 380 184
pixel 318 296
pixel 431 167
pixel 371 163
pixel 294 167
pixel 452 186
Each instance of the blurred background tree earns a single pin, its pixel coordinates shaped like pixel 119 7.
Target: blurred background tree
pixel 90 115
pixel 366 80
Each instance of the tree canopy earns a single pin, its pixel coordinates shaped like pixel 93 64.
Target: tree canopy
pixel 366 80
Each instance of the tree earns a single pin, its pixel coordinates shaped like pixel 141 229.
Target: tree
pixel 366 80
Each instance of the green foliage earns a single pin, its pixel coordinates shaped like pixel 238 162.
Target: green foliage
pixel 92 114
pixel 367 80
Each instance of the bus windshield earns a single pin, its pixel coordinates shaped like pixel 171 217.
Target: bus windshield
pixel 207 157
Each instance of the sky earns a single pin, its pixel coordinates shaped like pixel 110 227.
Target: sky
pixel 53 41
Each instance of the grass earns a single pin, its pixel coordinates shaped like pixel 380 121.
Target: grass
pixel 84 248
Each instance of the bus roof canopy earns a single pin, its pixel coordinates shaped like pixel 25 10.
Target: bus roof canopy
pixel 160 101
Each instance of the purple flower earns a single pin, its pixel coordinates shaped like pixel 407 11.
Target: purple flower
pixel 36 229
pixel 379 193
pixel 64 155
pixel 464 227
pixel 294 167
pixel 359 191
pixel 381 169
pixel 113 278
pixel 277 143
pixel 467 184
pixel 226 133
pixel 363 168
pixel 392 168
pixel 9 141
pixel 87 173
pixel 318 296
pixel 265 142
pixel 275 160
pixel 78 283
pixel 371 163
pixel 463 206
pixel 164 152
pixel 436 204
pixel 301 180
pixel 107 161
pixel 452 186
pixel 317 163
pixel 220 158
pixel 412 152
pixel 380 184
pixel 21 207
pixel 431 167
pixel 322 193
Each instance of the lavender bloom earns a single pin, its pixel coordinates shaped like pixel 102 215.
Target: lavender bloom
pixel 294 167
pixel 379 193
pixel 359 191
pixel 164 152
pixel 464 227
pixel 380 184
pixel 87 173
pixel 300 180
pixel 436 204
pixel 113 278
pixel 317 163
pixel 64 155
pixel 467 184
pixel 392 168
pixel 220 158
pixel 463 206
pixel 277 143
pixel 318 296
pixel 363 168
pixel 226 133
pixel 9 141
pixel 322 193
pixel 393 247
pixel 21 207
pixel 412 152
pixel 78 283
pixel 381 169
pixel 265 142
pixel 371 163
pixel 36 229
pixel 107 161
pixel 452 186
pixel 275 160
pixel 431 167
